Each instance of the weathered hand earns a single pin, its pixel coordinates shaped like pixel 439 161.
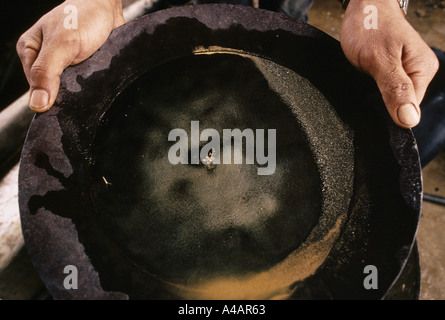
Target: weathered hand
pixel 48 47
pixel 394 54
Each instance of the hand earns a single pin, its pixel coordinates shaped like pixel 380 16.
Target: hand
pixel 48 47
pixel 394 54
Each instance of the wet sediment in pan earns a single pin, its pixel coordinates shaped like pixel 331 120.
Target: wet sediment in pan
pixel 228 232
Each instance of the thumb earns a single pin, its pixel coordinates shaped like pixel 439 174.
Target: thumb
pixel 44 75
pixel 399 96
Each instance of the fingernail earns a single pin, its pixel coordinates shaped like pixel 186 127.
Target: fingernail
pixel 408 114
pixel 39 99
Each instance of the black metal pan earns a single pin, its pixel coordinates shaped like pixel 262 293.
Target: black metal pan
pixel 97 191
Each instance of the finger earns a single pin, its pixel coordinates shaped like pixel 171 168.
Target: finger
pixel 44 74
pixel 399 95
pixel 421 71
pixel 28 47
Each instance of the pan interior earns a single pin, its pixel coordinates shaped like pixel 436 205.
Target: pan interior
pixel 185 222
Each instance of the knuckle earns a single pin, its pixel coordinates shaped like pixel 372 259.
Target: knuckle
pixel 38 73
pixel 37 70
pixel 378 60
pixel 429 63
pixel 22 44
pixel 27 43
pixel 70 39
pixel 369 56
pixel 59 37
pixel 434 64
pixel 427 67
pixel 396 88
